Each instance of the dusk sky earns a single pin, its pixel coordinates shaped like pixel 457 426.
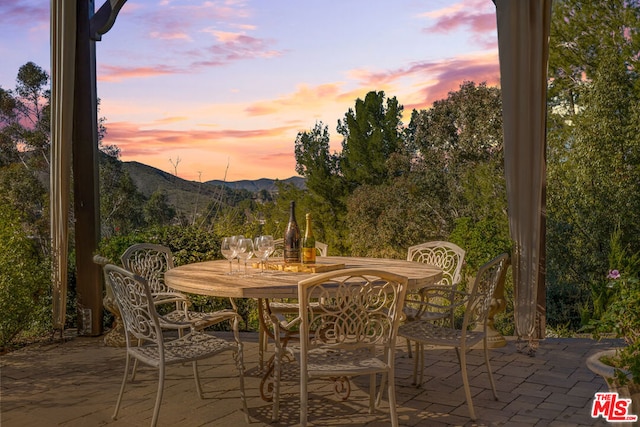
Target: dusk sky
pixel 222 88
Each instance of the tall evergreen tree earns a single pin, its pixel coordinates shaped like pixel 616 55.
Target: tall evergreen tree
pixel 372 134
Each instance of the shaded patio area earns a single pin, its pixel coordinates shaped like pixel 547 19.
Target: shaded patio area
pixel 75 383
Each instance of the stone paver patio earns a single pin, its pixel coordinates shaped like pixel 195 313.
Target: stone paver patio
pixel 76 382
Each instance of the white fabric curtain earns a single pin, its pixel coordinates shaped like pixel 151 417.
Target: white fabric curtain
pixel 523 40
pixel 63 47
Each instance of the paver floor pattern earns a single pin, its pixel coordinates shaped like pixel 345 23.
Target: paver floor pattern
pixel 76 382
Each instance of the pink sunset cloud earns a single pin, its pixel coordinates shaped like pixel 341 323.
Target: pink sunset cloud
pixel 477 17
pixel 268 151
pixel 235 48
pixel 305 97
pixel 438 77
pixel 16 13
pixel 177 35
pixel 176 31
pixel 136 139
pixel 114 73
pixel 171 15
pixel 473 14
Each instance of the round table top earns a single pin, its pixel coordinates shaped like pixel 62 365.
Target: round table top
pixel 212 278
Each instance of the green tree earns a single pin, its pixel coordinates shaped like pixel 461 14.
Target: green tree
pixel 318 165
pixel 594 146
pixel 158 210
pixel 372 133
pixel 24 118
pixel 121 204
pixel 458 165
pixel 24 150
pixel 326 186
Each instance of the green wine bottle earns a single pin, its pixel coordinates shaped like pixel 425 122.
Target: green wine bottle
pixel 308 244
pixel 292 238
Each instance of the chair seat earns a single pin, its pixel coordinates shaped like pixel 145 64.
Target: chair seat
pixel 193 346
pixel 341 362
pixel 425 332
pixel 198 319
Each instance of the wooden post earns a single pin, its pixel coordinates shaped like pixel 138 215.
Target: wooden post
pixel 86 199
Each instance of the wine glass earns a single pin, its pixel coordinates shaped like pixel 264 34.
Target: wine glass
pixel 269 247
pixel 234 245
pixel 245 251
pixel 262 250
pixel 259 251
pixel 228 251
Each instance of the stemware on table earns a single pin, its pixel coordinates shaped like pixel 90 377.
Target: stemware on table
pixel 263 247
pixel 245 251
pixel 228 251
pixel 234 245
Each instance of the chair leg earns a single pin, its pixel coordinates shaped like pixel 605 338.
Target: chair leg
pixel 156 409
pixel 239 358
pixel 391 393
pixel 124 381
pixel 275 415
pixel 196 376
pixel 372 393
pixel 409 348
pixel 383 384
pixel 304 398
pixel 135 365
pixel 418 365
pixel 465 381
pixel 488 365
pixel 262 346
pixel 416 361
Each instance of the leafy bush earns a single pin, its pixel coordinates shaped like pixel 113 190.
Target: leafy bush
pixel 621 315
pixel 25 299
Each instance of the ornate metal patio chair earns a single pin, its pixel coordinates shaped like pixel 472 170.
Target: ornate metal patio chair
pixel 141 323
pixel 151 261
pixel 349 323
pixel 477 303
pixel 450 258
pixel 282 308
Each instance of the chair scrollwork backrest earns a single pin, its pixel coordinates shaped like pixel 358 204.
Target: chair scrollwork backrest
pixel 149 261
pixel 446 255
pixel 481 294
pixel 354 309
pixel 135 302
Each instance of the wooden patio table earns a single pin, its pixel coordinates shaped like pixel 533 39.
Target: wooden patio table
pixel 212 278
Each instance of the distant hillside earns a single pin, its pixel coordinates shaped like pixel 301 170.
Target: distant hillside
pixel 260 184
pixel 189 196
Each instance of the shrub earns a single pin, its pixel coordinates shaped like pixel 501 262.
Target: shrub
pixel 25 298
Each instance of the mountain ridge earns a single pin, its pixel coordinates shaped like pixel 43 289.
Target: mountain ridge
pixel 138 170
pixel 192 196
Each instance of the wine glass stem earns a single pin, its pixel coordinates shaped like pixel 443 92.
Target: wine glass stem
pixel 230 266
